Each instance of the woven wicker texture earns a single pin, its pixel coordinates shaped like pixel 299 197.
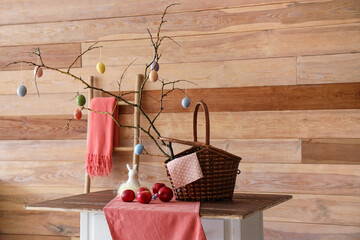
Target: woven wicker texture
pixel 219 168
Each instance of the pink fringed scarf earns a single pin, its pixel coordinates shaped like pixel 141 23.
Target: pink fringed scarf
pixel 102 136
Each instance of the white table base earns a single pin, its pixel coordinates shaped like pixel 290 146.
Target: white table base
pixel 93 226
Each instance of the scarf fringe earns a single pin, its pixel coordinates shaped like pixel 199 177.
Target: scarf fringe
pixel 98 165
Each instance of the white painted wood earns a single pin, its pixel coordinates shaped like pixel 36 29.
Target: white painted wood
pixel 93 226
pixel 213 228
pixel 101 229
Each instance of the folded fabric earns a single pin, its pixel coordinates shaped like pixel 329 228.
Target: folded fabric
pixel 103 134
pixel 157 220
pixel 184 170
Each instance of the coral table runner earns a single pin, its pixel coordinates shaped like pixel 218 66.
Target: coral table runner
pixel 157 220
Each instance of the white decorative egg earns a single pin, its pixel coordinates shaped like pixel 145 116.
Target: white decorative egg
pixel 185 102
pixel 22 90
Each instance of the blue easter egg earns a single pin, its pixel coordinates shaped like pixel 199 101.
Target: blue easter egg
pixel 155 66
pixel 22 90
pixel 185 102
pixel 139 148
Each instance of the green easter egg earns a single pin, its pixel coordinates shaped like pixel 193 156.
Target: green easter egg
pixel 80 100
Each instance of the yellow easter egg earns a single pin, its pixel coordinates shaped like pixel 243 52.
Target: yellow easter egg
pixel 100 67
pixel 153 76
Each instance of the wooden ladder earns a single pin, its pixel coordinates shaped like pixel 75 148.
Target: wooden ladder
pixel 139 80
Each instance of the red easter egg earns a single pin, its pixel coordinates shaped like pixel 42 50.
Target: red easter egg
pixel 77 114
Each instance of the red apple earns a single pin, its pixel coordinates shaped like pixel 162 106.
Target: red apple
pixel 143 195
pixel 165 194
pixel 128 195
pixel 157 187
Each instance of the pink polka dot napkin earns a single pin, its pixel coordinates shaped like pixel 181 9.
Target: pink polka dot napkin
pixel 184 170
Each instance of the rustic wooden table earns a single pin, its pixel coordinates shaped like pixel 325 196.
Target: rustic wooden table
pixel 240 218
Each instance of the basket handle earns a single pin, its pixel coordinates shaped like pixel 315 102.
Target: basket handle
pixel 207 122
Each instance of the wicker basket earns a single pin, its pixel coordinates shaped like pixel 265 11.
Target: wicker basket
pixel 219 168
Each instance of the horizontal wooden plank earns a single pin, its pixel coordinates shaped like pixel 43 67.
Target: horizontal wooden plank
pixel 255 177
pixel 320 209
pixel 250 150
pixel 16 12
pixel 13 197
pixel 40 128
pixel 264 17
pixel 270 98
pixel 42 173
pixel 39 223
pixel 259 44
pixel 238 73
pixel 300 231
pixel 50 82
pixel 40 150
pixel 32 237
pixel 331 151
pixel 46 104
pixel 259 125
pixel 328 68
pixel 299 178
pixel 55 55
pixel 59 175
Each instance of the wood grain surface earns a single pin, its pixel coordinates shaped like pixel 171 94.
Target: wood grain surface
pixel 269 98
pixel 331 151
pixel 191 23
pixel 321 209
pixel 39 223
pixel 295 178
pixel 328 68
pixel 300 231
pixel 17 12
pixel 241 206
pixel 40 128
pixel 261 124
pixel 274 71
pixel 32 237
pixel 217 47
pixel 56 55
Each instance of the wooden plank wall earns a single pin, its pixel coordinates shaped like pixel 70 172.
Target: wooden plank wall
pixel 281 78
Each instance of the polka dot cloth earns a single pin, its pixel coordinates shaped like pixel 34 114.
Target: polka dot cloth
pixel 184 170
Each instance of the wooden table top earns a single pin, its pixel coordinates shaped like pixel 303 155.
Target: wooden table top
pixel 241 206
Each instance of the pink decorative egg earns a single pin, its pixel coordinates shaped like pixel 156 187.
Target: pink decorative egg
pixel 38 72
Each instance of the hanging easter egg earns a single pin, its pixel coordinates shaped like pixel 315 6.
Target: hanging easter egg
pixel 185 102
pixel 77 114
pixel 80 100
pixel 22 90
pixel 153 76
pixel 155 66
pixel 139 148
pixel 38 72
pixel 100 67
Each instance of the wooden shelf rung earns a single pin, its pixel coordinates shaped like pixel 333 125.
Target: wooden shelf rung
pixel 124 103
pixel 123 149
